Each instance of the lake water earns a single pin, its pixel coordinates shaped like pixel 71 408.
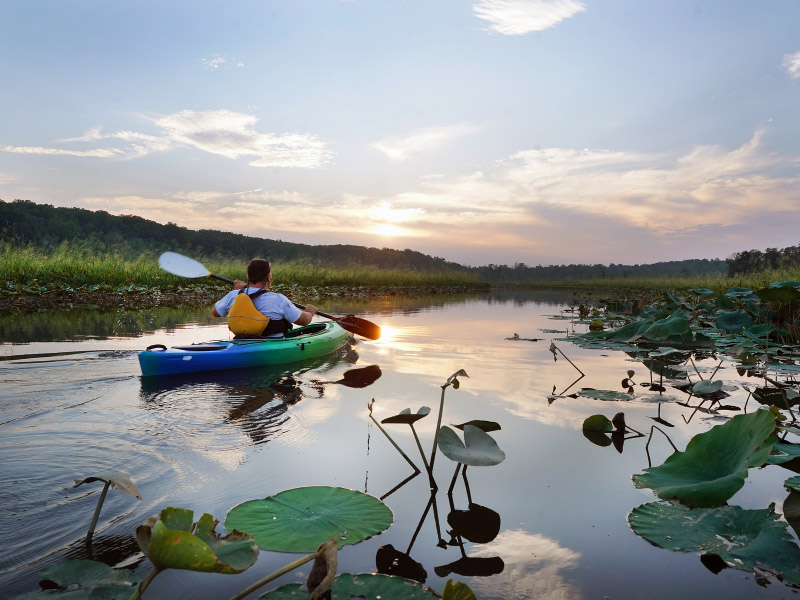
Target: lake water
pixel 75 405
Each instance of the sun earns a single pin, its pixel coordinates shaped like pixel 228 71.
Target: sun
pixel 387 230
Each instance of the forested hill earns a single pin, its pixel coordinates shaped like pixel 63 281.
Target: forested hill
pixel 46 226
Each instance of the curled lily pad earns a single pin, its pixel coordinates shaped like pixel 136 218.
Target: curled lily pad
pixel 741 537
pixel 487 426
pixel 116 480
pixel 783 452
pixel 675 325
pixel 86 579
pixel 478 449
pixel 298 520
pixel 374 585
pixel 597 423
pixel 714 465
pixel 405 416
pixel 171 541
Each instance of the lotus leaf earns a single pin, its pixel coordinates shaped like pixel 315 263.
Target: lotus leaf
pixel 606 395
pixel 631 331
pixel 478 449
pixel 706 386
pixel 597 423
pixel 298 520
pixel 783 452
pixel 738 292
pixel 78 579
pixel 172 541
pixel 793 483
pixel 779 284
pixel 457 591
pixel 786 294
pixel 702 291
pixel 791 506
pixel 741 537
pixel 714 465
pixel 405 416
pixel 598 438
pixel 374 585
pixel 733 322
pixel 675 325
pixel 724 303
pixel 487 426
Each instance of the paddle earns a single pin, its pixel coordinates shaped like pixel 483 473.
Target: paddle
pixel 183 266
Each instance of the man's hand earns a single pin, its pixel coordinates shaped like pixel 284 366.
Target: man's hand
pixel 239 284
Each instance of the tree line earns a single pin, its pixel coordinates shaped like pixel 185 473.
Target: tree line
pixel 46 226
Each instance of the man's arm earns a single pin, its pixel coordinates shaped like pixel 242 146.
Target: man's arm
pixel 306 315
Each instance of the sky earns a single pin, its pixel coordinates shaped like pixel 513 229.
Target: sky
pixel 480 131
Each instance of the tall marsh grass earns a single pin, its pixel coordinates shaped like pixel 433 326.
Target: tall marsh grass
pixel 70 265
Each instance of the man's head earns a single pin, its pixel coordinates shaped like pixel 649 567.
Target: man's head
pixel 258 270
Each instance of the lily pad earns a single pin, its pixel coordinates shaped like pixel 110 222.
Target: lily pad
pixel 77 579
pixel 405 416
pixel 706 386
pixel 608 395
pixel 733 322
pixel 741 537
pixel 478 449
pixel 171 541
pixel 714 465
pixel 375 585
pixel 675 325
pixel 298 520
pixel 784 452
pixel 597 423
pixel 487 426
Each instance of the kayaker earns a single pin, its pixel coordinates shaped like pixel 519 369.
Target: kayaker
pixel 277 307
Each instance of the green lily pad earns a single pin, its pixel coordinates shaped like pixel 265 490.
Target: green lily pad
pixel 299 520
pixel 738 292
pixel 371 586
pixel 741 537
pixel 79 579
pixel 608 395
pixel 714 465
pixel 702 291
pixel 457 591
pixel 784 452
pixel 171 541
pixel 706 386
pixel 733 322
pixel 598 423
pixel 478 449
pixel 675 325
pixel 785 294
pixel 405 416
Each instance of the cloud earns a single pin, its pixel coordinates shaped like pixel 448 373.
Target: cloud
pixel 220 132
pixel 533 567
pixel 422 140
pixel 791 62
pixel 218 61
pixel 518 17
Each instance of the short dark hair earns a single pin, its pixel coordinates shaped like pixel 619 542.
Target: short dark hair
pixel 258 270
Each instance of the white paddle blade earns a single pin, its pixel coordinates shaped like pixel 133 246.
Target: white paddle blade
pixel 181 265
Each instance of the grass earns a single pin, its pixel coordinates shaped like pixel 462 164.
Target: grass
pixel 72 266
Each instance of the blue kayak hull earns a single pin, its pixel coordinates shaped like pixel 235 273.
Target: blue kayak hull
pixel 302 343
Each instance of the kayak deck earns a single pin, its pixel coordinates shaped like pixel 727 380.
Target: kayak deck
pixel 311 341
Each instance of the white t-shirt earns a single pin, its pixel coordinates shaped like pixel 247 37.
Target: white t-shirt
pixel 273 305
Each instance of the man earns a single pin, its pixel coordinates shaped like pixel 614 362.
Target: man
pixel 280 311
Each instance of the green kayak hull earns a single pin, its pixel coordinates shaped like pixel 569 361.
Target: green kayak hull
pixel 301 343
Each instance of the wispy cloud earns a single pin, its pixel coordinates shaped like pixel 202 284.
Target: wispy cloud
pixel 220 61
pixel 791 62
pixel 518 17
pixel 422 140
pixel 220 132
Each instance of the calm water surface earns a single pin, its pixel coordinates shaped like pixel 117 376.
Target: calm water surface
pixel 74 405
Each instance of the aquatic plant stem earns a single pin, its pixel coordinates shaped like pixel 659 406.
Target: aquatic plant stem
pixel 97 512
pixel 388 437
pixel 274 575
pixel 143 586
pixel 435 435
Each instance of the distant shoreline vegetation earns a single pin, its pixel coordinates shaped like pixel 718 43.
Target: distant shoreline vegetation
pixel 62 258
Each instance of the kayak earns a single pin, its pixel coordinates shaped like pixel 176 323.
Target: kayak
pixel 301 343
